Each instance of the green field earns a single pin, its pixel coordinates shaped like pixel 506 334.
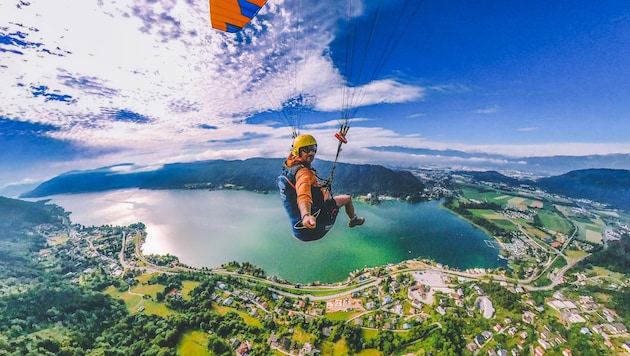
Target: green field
pixel 593 236
pixel 601 271
pixel 135 302
pixel 341 315
pixel 573 254
pixel 301 336
pixel 369 352
pixel 487 214
pixel 518 202
pixel 337 348
pixel 485 195
pixel 187 287
pixel 589 232
pixel 143 296
pixel 194 343
pixel 533 231
pixel 249 320
pixel 553 221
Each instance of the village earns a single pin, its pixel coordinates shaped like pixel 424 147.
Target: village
pixel 393 298
pixel 504 313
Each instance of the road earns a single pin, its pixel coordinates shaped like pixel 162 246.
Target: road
pixel 347 288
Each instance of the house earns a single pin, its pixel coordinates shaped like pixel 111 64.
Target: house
pixel 545 345
pixel 484 304
pixel 528 317
pixel 243 348
pixel 616 328
pixel 273 340
pixel 460 292
pixel 512 331
pixel 308 349
pixel 572 317
pixel 174 293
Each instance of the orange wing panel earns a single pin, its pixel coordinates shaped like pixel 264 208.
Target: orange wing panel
pixel 232 15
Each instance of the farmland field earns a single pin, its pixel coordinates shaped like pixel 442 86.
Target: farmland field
pixel 593 236
pixel 517 202
pixel 194 343
pixel 554 222
pixel 248 319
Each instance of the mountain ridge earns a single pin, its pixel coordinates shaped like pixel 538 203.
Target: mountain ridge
pixel 603 185
pixel 608 186
pixel 534 165
pixel 255 174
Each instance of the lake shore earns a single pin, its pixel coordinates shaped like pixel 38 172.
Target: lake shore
pixel 207 229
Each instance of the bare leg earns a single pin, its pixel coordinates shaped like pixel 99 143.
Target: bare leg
pixel 346 202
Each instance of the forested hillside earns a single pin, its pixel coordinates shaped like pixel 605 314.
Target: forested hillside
pixel 18 240
pixel 257 174
pixel 611 186
pixel 607 186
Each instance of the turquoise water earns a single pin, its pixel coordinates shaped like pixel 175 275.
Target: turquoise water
pixel 211 228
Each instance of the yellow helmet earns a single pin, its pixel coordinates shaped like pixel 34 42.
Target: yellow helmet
pixel 302 141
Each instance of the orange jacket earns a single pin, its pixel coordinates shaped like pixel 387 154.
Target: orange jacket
pixel 304 180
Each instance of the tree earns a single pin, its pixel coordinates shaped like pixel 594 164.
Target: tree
pixel 354 337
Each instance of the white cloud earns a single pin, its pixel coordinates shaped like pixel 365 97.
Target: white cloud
pixel 162 61
pixel 528 129
pixel 488 110
pixel 377 92
pixel 417 116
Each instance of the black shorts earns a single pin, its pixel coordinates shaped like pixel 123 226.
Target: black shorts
pixel 326 216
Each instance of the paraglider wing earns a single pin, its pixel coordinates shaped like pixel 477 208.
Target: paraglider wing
pixel 233 15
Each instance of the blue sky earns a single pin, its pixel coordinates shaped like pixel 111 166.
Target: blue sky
pixel 88 83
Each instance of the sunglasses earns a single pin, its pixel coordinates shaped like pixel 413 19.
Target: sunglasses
pixel 309 149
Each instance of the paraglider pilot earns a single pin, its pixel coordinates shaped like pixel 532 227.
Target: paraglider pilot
pixel 311 207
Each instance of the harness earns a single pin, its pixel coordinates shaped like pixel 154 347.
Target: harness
pixel 324 211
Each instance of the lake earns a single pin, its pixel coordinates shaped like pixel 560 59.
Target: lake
pixel 210 228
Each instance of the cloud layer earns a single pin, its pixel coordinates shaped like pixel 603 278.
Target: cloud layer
pixel 89 83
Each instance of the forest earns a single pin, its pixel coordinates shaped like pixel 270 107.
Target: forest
pixel 49 305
